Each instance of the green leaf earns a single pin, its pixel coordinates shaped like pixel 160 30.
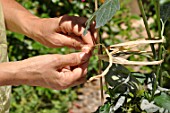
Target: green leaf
pixel 106 12
pixel 163 101
pixel 117 75
pixel 139 76
pixel 103 14
pixel 104 109
pixel 165 10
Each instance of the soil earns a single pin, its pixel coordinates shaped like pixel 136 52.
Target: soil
pixel 89 98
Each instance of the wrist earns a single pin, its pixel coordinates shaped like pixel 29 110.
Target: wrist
pixel 31 27
pixel 40 28
pixel 8 73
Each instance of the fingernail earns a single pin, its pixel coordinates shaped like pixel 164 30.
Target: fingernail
pixel 86 49
pixel 84 57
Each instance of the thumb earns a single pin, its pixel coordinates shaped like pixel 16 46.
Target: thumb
pixel 73 59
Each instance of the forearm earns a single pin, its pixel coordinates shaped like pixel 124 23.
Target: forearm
pixel 8 74
pixel 18 19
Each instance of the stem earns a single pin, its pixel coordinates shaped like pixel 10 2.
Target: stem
pixel 146 26
pixel 159 70
pixel 157 7
pixel 154 85
pixel 99 40
pixel 109 92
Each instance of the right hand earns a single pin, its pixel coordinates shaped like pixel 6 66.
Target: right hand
pixel 53 71
pixel 63 31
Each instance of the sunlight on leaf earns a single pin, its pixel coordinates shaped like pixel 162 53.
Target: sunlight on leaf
pixel 119 103
pixel 103 14
pixel 163 101
pixel 106 12
pixel 115 78
pixel 148 106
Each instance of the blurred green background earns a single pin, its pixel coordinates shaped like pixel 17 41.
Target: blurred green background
pixel 27 99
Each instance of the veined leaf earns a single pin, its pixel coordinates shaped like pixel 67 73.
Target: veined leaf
pixel 163 101
pixel 106 12
pixel 103 14
pixel 165 10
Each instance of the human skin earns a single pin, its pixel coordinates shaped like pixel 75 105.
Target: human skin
pixel 51 71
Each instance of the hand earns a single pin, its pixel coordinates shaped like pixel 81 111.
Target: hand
pixel 64 31
pixel 53 71
pixel 52 32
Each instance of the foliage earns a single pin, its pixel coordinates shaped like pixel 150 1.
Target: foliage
pixel 129 91
pixel 135 91
pixel 104 13
pixel 27 99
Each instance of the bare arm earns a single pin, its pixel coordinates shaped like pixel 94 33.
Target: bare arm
pixel 8 73
pixel 52 32
pixel 18 19
pixel 50 71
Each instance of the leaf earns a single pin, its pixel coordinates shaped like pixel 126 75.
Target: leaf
pixel 148 106
pixel 163 101
pixel 104 109
pixel 117 71
pixel 103 14
pixel 119 103
pixel 106 12
pixel 165 10
pixel 139 76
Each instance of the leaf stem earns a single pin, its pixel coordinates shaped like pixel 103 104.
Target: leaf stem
pixel 146 26
pixel 99 40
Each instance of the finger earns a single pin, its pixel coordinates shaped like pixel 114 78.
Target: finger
pixel 77 74
pixel 82 79
pixel 71 78
pixel 73 59
pixel 87 49
pixel 84 67
pixel 84 72
pixel 67 78
pixel 69 41
pixel 76 25
pixel 88 38
pixel 65 69
pixel 93 30
pixel 79 81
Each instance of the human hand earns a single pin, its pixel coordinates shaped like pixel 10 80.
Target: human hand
pixel 53 71
pixel 64 31
pixel 52 32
